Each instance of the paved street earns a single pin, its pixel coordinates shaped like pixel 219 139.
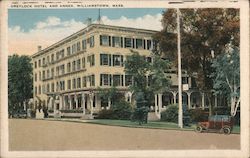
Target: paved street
pixel 28 134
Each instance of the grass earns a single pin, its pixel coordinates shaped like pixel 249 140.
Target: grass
pixel 150 124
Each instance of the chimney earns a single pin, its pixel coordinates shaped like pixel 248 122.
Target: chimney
pixel 39 48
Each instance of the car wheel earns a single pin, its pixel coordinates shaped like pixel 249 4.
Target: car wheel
pixel 226 130
pixel 198 129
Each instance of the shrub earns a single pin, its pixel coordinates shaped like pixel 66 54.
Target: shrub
pixel 105 114
pixel 121 110
pixel 140 115
pixel 72 111
pixel 170 114
pixel 33 113
pixel 198 115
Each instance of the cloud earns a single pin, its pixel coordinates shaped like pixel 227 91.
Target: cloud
pixel 53 29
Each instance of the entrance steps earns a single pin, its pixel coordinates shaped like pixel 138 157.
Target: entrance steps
pixel 152 116
pixel 87 117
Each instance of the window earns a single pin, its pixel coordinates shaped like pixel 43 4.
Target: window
pixel 39 62
pixel 78 82
pixel 43 75
pixel 104 40
pixel 40 76
pixel 43 61
pixel 62 53
pixel 48 60
pixel 39 89
pixel 83 62
pixel 104 59
pixel 35 64
pixel 57 55
pixel 184 80
pixel 84 44
pixel 78 46
pixel 154 45
pixel 128 42
pixel 78 64
pixel 43 89
pixel 139 43
pixel 149 45
pixel 48 88
pixel 104 80
pixel 35 90
pixel 48 73
pixel 128 80
pixel 52 87
pixel 52 57
pixel 116 41
pixel 116 80
pixel 74 83
pixel 52 72
pixel 35 76
pixel 84 81
pixel 117 60
pixel 92 41
pixel 57 71
pixel 91 60
pixel 68 51
pixel 73 48
pixel 68 67
pixel 62 85
pixel 69 84
pixel 92 80
pixel 73 65
pixel 62 69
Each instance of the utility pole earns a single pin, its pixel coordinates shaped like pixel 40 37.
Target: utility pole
pixel 180 113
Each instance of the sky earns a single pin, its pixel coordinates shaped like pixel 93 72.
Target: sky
pixel 28 28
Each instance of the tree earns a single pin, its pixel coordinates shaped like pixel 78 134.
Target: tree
pixel 202 31
pixel 144 88
pixel 19 81
pixel 227 76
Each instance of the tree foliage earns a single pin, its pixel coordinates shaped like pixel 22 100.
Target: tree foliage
pixel 19 81
pixel 139 68
pixel 227 76
pixel 202 31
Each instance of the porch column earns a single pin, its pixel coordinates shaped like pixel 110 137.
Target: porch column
pixel 215 100
pixel 174 93
pixel 160 102
pixel 83 104
pixel 203 101
pixel 156 106
pixel 91 99
pixel 189 100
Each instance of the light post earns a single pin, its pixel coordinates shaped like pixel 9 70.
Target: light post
pixel 180 113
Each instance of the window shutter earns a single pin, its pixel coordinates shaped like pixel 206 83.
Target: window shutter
pixel 109 40
pixel 100 39
pixel 121 42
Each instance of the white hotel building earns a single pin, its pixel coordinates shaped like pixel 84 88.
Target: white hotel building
pixel 68 74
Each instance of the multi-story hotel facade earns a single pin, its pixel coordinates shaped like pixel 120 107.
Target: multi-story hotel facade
pixel 69 73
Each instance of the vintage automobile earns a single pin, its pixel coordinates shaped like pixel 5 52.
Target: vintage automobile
pixel 216 123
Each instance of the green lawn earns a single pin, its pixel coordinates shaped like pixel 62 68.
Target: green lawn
pixel 150 124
